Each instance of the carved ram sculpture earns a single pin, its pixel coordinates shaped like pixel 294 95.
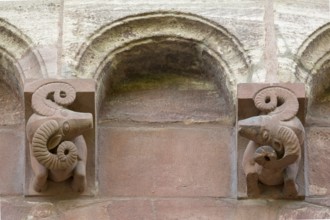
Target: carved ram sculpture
pixel 57 147
pixel 276 137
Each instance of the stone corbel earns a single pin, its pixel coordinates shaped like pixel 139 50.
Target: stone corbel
pixel 59 136
pixel 271 140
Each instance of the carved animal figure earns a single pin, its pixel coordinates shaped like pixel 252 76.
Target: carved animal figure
pixel 274 152
pixel 57 148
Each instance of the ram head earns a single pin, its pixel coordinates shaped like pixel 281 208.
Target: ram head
pixel 52 127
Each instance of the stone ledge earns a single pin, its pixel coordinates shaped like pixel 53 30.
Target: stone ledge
pixel 162 208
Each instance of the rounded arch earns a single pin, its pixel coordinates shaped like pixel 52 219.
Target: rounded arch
pixel 19 60
pixel 313 62
pixel 313 68
pixel 205 37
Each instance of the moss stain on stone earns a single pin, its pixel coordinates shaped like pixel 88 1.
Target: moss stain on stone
pixel 162 81
pixel 325 96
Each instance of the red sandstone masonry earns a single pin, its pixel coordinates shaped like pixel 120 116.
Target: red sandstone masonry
pixel 165 161
pixel 12 160
pixel 318 151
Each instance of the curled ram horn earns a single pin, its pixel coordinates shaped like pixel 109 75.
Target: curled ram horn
pixel 66 152
pixel 292 149
pixel 291 145
pixel 277 101
pixel 47 98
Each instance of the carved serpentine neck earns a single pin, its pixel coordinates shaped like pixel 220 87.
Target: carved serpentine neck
pixel 281 105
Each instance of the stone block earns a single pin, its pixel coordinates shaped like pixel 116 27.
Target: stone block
pixel 258 209
pixel 121 209
pixel 185 209
pixel 14 210
pixel 131 209
pixel 12 160
pixel 318 151
pixel 95 210
pixel 210 209
pixel 304 212
pixel 165 160
pixel 321 201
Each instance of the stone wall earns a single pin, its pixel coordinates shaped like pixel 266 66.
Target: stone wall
pixel 166 75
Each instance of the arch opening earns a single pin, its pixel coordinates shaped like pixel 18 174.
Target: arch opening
pixel 219 55
pixel 169 80
pixel 166 79
pixel 11 98
pixel 313 68
pixel 18 61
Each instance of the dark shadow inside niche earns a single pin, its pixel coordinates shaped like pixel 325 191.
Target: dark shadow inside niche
pixel 11 98
pixel 318 111
pixel 166 80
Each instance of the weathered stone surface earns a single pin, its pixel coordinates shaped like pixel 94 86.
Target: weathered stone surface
pixel 123 209
pixel 131 209
pixel 304 212
pixel 318 151
pixel 161 208
pixel 95 210
pixel 42 210
pixel 213 209
pixel 185 209
pixel 293 28
pixel 14 210
pixel 18 208
pixel 12 111
pixel 38 19
pixel 166 97
pixel 321 201
pixel 38 22
pixel 12 160
pixel 165 161
pixel 83 19
pixel 259 209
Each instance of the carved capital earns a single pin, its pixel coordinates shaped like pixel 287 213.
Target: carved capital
pixel 56 130
pixel 275 135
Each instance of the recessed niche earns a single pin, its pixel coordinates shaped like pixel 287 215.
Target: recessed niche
pixel 166 80
pixel 11 111
pixel 166 88
pixel 319 103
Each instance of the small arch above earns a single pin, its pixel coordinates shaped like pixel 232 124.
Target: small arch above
pixel 18 62
pixel 313 68
pixel 312 58
pixel 98 58
pixel 165 80
pixel 19 49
